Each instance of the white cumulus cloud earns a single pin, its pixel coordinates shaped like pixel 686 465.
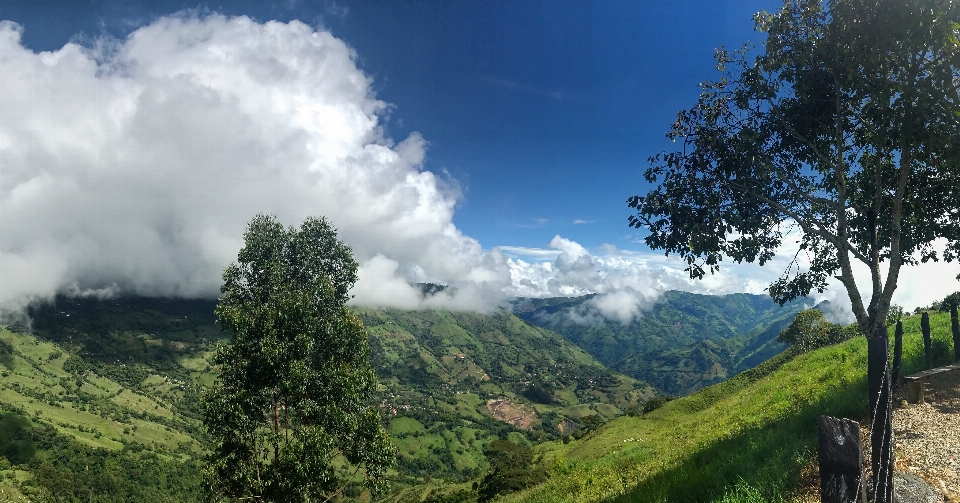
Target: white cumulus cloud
pixel 134 165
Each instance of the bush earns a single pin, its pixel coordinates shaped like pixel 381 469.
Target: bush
pixel 950 302
pixel 895 314
pixel 510 470
pixel 655 403
pixel 810 330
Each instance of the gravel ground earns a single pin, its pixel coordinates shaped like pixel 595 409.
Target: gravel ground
pixel 927 436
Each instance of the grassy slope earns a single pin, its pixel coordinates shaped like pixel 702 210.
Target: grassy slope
pixel 89 410
pixel 753 432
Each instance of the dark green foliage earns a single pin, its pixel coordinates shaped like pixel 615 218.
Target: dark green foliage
pixel 510 470
pixel 75 365
pixel 538 394
pixel 587 425
pixel 655 403
pixel 430 289
pixel 292 397
pixel 16 439
pixel 810 330
pixel 6 354
pixel 949 302
pixel 894 316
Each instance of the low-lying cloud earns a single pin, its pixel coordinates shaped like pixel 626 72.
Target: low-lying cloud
pixel 627 282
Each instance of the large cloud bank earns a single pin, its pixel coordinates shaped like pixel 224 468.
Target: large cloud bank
pixel 134 166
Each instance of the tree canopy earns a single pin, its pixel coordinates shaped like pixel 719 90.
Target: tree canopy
pixel 510 470
pixel 842 136
pixel 290 412
pixel 810 330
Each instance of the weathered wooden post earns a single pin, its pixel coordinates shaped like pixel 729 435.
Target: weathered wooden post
pixel 841 462
pixel 897 355
pixel 881 414
pixel 955 325
pixel 925 329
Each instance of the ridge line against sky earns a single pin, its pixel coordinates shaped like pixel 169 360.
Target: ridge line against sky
pixel 132 154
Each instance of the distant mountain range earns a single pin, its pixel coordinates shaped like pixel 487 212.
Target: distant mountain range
pixel 679 343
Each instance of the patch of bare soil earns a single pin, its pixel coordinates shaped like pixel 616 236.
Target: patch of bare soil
pixel 516 414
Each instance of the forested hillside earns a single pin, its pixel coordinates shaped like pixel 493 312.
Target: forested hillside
pixel 680 343
pixel 456 381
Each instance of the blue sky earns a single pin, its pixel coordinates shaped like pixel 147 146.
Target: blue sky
pixel 490 146
pixel 544 112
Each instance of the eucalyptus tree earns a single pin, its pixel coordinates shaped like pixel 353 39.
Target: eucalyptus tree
pixel 843 135
pixel 289 412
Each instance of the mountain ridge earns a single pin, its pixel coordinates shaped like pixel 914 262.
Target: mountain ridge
pixel 695 332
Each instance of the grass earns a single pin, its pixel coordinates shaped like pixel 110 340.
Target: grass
pixel 747 439
pixel 39 385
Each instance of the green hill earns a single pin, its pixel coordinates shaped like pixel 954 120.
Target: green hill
pixel 121 380
pixel 99 400
pixel 680 343
pixel 747 439
pixel 480 377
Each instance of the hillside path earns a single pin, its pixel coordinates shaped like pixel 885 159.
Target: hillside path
pixel 927 436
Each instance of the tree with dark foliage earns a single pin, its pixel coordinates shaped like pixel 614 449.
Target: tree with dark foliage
pixel 510 469
pixel 289 412
pixel 843 135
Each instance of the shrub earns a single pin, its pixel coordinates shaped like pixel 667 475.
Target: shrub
pixel 810 330
pixel 949 302
pixel 510 470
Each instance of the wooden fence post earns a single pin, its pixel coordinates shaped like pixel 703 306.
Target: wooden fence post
pixel 881 415
pixel 840 457
pixel 897 355
pixel 955 325
pixel 925 328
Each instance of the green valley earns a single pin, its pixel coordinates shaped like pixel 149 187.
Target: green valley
pixel 123 377
pixel 750 439
pixel 679 343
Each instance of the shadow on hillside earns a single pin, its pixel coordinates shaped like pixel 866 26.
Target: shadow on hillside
pixel 16 442
pixel 125 330
pixel 6 354
pixel 768 458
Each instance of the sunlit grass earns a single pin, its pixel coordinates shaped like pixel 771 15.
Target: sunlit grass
pixel 743 440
